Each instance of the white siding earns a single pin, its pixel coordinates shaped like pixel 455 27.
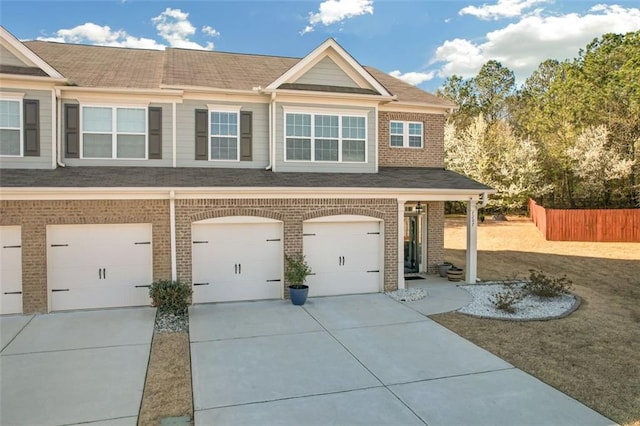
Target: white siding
pixel 327 72
pixel 306 166
pixel 167 145
pixel 186 135
pixel 44 161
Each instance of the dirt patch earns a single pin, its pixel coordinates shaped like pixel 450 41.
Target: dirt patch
pixel 594 354
pixel 167 390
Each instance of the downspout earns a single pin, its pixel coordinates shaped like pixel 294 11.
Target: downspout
pixel 174 136
pixel 272 130
pixel 58 113
pixel 172 220
pixel 485 200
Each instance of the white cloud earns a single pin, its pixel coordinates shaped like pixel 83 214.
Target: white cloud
pixel 172 25
pixel 90 33
pixel 335 11
pixel 502 9
pixel 523 45
pixel 210 31
pixel 414 78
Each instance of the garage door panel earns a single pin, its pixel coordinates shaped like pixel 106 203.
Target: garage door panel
pixel 99 266
pixel 344 256
pixel 10 270
pixel 236 261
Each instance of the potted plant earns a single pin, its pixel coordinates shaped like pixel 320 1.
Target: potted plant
pixel 442 268
pixel 296 272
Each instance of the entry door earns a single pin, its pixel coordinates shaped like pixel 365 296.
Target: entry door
pixel 10 270
pixel 99 266
pixel 237 261
pixel 344 257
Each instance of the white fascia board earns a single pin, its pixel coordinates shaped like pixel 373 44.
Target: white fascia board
pixel 115 94
pixel 319 51
pixel 17 80
pixel 400 106
pixel 238 193
pixel 16 47
pixel 326 97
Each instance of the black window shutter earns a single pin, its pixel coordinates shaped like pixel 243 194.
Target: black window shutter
pixel 155 133
pixel 72 130
pixel 31 127
pixel 246 135
pixel 202 134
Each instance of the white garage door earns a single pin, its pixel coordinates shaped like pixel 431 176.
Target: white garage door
pixel 344 253
pixel 237 258
pixel 99 266
pixel 10 270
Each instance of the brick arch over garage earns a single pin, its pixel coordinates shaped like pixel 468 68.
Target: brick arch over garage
pixel 343 211
pixel 241 211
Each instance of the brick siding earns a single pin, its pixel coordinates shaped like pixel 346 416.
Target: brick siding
pixel 435 235
pixel 430 155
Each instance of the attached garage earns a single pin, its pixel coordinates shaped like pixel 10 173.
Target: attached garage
pixel 237 258
pixel 344 253
pixel 10 270
pixel 99 266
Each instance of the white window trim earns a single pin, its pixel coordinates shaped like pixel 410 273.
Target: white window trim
pixel 340 114
pixel 231 109
pixel 405 134
pixel 15 97
pixel 114 131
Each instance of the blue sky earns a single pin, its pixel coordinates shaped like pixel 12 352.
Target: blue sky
pixel 420 41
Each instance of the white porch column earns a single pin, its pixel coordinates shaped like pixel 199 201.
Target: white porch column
pixel 401 244
pixel 471 272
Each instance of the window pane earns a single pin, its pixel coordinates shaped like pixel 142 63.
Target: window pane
pixel 224 148
pixel 131 146
pixel 326 150
pixel 396 140
pixel 415 141
pixel 96 146
pixel 353 150
pixel 396 128
pixel 224 124
pixel 326 126
pixel 131 120
pixel 96 119
pixel 10 114
pixel 353 127
pixel 298 149
pixel 415 128
pixel 9 142
pixel 299 125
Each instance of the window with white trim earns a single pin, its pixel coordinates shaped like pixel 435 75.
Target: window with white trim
pixel 405 134
pixel 325 137
pixel 10 128
pixel 223 136
pixel 114 132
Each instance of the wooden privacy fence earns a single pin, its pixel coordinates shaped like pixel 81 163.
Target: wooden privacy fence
pixel 599 225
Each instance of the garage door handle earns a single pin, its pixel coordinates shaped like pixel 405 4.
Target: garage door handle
pixel 59 289
pixel 11 246
pixel 200 283
pixel 99 273
pixel 201 242
pixel 145 286
pixel 19 292
pixel 373 233
pixel 273 281
pixel 59 245
pixel 273 239
pixel 239 268
pixel 104 273
pixel 374 271
pixel 143 242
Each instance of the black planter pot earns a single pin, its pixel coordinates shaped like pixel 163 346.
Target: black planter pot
pixel 298 293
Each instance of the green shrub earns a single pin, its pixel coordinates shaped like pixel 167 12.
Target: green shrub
pixel 170 296
pixel 543 286
pixel 507 298
pixel 296 270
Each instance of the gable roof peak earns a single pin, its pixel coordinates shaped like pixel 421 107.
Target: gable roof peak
pixel 17 48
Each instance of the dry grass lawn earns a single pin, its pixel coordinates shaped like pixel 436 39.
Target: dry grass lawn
pixel 167 390
pixel 594 354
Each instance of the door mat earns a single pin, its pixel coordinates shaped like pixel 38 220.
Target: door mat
pixel 413 278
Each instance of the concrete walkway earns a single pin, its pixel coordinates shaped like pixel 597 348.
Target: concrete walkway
pixel 74 367
pixel 361 359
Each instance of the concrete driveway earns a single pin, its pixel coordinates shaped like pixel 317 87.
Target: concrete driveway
pixel 74 367
pixel 363 359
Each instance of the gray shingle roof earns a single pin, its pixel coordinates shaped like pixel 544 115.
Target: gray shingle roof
pixel 150 177
pixel 100 66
